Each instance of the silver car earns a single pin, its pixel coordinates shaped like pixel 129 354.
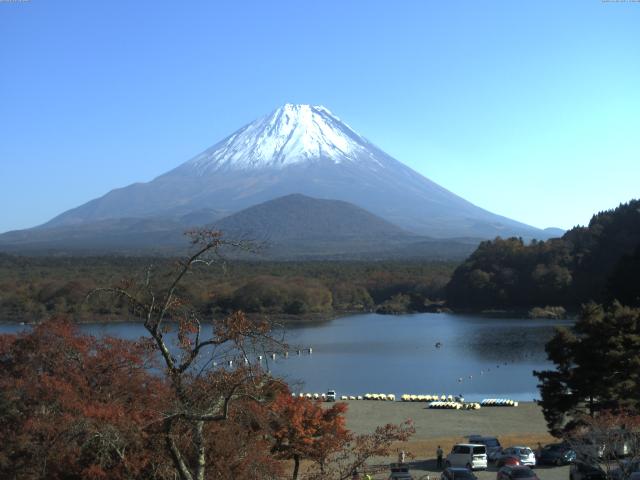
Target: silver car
pixel 524 454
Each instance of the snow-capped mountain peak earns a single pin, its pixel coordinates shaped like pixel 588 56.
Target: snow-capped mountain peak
pixel 292 134
pixel 298 149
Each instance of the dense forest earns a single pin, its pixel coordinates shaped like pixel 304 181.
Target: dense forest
pixel 34 288
pixel 599 262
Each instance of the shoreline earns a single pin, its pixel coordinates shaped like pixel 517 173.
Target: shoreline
pixel 291 320
pixel 284 319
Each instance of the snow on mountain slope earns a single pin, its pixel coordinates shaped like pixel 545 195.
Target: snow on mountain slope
pixel 293 134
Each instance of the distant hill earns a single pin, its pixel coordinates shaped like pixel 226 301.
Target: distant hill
pixel 125 236
pixel 599 262
pixel 300 227
pixel 299 217
pixel 553 232
pixel 291 227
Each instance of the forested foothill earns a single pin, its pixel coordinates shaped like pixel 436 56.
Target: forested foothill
pixel 599 262
pixel 34 288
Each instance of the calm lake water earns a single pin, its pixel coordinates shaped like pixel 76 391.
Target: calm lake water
pixel 479 357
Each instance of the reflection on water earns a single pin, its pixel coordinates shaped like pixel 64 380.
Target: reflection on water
pixel 478 357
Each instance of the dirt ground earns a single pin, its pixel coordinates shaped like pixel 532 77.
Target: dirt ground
pixel 522 425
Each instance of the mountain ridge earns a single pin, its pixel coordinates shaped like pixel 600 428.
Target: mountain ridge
pixel 293 227
pixel 300 149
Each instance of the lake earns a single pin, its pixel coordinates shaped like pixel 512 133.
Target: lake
pixel 478 356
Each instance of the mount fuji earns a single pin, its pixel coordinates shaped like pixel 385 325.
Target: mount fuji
pixel 297 149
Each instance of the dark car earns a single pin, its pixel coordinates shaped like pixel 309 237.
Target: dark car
pixel 626 469
pixel 519 472
pixel 556 454
pixel 583 471
pixel 399 471
pixel 457 473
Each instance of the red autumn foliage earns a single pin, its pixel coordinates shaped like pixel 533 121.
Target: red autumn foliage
pixel 75 407
pixel 303 429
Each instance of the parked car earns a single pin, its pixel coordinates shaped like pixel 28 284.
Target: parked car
pixel 614 445
pixel 632 466
pixel 590 448
pixel 507 460
pixel 470 455
pixel 399 472
pixel 331 396
pixel 494 449
pixel 556 454
pixel 524 454
pixel 629 470
pixel 582 471
pixel 519 472
pixel 457 473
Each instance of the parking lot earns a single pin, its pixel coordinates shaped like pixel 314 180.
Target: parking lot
pixel 522 425
pixel 427 469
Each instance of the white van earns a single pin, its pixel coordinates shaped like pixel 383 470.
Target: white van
pixel 470 455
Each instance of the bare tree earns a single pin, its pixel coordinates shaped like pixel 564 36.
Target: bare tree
pixel 608 442
pixel 358 450
pixel 210 370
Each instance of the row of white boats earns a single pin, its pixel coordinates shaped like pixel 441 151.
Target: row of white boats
pixel 454 405
pixel 498 402
pixel 367 396
pixel 435 401
pixel 409 397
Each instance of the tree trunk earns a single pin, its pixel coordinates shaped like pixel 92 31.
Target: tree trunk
pixel 176 455
pixel 200 454
pixel 296 466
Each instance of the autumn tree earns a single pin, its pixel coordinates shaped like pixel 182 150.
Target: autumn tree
pixel 73 406
pixel 305 430
pixel 302 430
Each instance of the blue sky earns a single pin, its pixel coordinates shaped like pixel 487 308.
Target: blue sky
pixel 528 109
